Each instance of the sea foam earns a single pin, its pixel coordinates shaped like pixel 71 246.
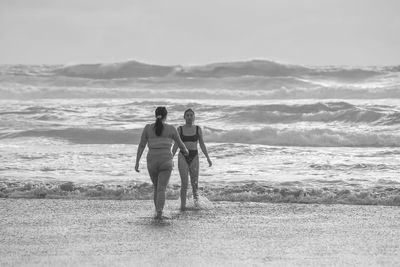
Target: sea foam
pixel 243 192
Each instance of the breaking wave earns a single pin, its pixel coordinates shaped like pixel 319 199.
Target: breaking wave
pixel 316 112
pixel 264 136
pixel 82 135
pixel 256 79
pixel 260 113
pixel 135 69
pixel 224 91
pixel 131 69
pixel 230 69
pixel 305 137
pixel 388 194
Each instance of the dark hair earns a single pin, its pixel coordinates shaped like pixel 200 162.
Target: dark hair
pixel 161 113
pixel 188 110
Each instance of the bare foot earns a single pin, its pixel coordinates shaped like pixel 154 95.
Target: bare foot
pixel 196 202
pixel 159 215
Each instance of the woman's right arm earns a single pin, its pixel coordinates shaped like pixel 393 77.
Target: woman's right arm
pixel 141 147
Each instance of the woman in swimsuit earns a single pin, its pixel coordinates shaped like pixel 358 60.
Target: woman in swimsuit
pixel 159 137
pixel 191 135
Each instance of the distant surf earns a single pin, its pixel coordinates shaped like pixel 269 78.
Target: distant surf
pixel 255 79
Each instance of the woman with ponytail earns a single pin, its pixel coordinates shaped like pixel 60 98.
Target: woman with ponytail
pixel 159 137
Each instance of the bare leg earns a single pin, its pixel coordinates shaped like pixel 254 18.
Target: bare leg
pixel 184 173
pixel 154 179
pixel 194 177
pixel 163 179
pixel 155 195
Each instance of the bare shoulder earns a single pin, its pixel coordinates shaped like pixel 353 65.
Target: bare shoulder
pixel 170 127
pixel 171 130
pixel 148 128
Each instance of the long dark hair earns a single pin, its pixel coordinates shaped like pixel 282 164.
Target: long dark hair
pixel 161 113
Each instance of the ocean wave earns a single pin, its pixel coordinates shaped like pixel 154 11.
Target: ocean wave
pixel 244 68
pixel 347 73
pixel 188 90
pixel 260 114
pixel 228 69
pixel 385 194
pixel 316 112
pixel 135 69
pixel 33 110
pixel 28 70
pixel 81 135
pixel 256 79
pixel 265 136
pixel 304 137
pixel 128 69
pixel 356 166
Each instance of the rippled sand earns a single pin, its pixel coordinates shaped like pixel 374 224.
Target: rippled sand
pixel 122 233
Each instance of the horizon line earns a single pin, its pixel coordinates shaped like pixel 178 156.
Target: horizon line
pixel 198 64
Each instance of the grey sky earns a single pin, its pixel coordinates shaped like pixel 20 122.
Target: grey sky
pixel 310 32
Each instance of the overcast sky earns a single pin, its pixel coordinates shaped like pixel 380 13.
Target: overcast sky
pixel 169 32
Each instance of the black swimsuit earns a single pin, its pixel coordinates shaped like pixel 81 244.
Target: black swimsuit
pixel 190 138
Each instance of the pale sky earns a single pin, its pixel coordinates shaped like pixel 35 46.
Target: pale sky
pixel 186 32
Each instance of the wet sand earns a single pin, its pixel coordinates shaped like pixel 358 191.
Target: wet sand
pixel 50 232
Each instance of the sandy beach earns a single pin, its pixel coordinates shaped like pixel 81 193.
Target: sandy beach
pixel 54 232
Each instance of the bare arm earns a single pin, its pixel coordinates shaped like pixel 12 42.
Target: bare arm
pixel 203 147
pixel 141 147
pixel 178 141
pixel 174 148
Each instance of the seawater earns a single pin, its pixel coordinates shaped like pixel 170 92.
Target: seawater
pixel 287 134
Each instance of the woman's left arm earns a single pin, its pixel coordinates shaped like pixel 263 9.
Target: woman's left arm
pixel 203 147
pixel 141 147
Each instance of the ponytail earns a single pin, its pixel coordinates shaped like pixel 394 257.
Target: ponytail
pixel 158 126
pixel 161 113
